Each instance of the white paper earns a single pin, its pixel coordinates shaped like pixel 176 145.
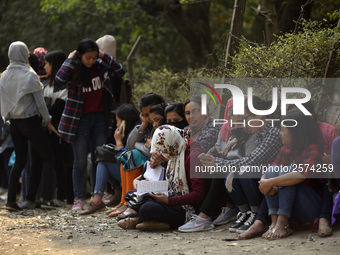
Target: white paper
pixel 153 174
pixel 144 187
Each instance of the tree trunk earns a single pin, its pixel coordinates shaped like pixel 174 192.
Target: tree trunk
pixel 192 21
pixel 268 11
pixel 236 28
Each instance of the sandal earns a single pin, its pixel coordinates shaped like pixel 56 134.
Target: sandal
pixel 286 232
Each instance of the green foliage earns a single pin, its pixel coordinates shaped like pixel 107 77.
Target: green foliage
pixel 301 55
pixel 175 87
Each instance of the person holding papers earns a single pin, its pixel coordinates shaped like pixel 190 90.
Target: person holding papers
pixel 185 194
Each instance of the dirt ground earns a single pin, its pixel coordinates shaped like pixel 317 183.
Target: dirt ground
pixel 64 232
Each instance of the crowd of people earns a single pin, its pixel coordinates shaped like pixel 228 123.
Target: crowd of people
pixel 58 110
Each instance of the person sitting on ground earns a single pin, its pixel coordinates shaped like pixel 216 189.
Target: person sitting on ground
pixel 127 117
pixel 142 132
pixel 185 193
pixel 155 115
pixel 268 145
pixel 329 133
pixel 202 128
pixel 174 114
pixel 291 187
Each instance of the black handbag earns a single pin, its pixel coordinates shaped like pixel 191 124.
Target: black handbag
pixel 106 153
pixel 135 202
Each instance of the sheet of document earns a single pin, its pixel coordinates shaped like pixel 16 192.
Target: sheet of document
pixel 144 187
pixel 154 174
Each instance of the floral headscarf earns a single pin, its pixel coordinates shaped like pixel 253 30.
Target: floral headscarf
pixel 169 141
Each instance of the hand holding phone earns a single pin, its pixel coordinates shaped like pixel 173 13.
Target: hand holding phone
pixel 121 128
pixel 203 156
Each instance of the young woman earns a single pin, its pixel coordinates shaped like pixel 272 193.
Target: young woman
pixel 138 136
pixel 268 145
pixel 291 187
pixel 156 115
pixel 172 211
pixel 110 170
pixel 55 97
pixel 201 128
pixel 175 116
pixel 21 102
pixel 88 114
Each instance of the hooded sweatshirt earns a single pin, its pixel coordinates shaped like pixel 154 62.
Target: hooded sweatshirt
pixel 20 88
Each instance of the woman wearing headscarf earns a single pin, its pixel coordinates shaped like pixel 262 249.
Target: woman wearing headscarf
pixel 21 102
pixel 185 193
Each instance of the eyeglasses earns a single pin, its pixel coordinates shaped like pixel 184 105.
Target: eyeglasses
pixel 245 117
pixel 193 112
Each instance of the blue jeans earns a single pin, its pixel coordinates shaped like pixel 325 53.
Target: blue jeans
pixel 91 133
pixel 246 193
pixel 300 202
pixel 105 170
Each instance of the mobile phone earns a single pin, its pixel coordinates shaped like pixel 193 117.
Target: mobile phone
pixel 203 156
pixel 122 127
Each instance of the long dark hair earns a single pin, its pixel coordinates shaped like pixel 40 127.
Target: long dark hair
pixel 305 132
pixel 175 107
pixel 159 109
pixel 130 114
pixel 81 74
pixel 55 59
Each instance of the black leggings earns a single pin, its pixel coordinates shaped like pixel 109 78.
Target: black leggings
pixel 215 195
pixel 22 131
pixel 152 210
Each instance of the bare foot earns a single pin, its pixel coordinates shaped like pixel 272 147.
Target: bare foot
pixel 118 211
pixel 114 208
pixel 255 230
pixel 324 229
pixel 269 232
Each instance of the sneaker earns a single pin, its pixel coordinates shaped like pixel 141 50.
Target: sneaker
pixel 197 223
pixel 13 207
pixel 25 205
pixel 250 221
pixel 241 219
pixel 49 204
pixel 227 215
pixel 77 205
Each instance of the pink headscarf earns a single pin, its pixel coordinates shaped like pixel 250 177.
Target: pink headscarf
pixel 225 130
pixel 40 52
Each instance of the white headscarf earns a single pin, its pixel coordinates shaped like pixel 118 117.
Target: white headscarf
pixel 108 45
pixel 169 141
pixel 18 79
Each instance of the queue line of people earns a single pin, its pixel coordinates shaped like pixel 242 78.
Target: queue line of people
pixel 79 115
